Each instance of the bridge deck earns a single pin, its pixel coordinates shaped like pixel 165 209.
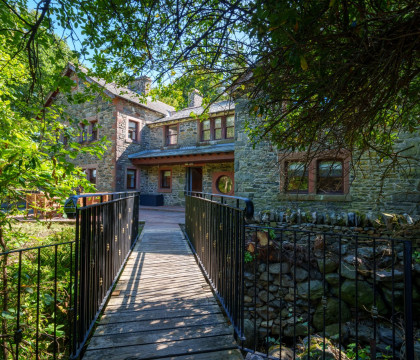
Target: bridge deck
pixel 162 307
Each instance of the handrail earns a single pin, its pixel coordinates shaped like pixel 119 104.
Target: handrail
pixel 249 205
pixel 70 205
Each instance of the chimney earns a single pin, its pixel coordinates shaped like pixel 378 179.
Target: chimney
pixel 194 98
pixel 141 85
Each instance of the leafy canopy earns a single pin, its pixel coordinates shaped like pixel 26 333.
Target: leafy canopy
pixel 319 75
pixel 33 155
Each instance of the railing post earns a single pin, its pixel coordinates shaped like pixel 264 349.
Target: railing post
pixel 408 301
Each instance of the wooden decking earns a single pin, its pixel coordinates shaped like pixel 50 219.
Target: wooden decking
pixel 162 307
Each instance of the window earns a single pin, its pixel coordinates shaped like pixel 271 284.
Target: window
pixel 92 175
pixel 94 130
pixel 297 178
pixel 218 128
pixel 133 129
pixel 205 130
pixel 326 174
pixel 230 127
pixel 131 178
pixel 165 180
pixel 171 134
pixel 83 133
pixel 330 177
pixel 223 183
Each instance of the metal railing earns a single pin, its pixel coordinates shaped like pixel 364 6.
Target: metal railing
pixel 302 293
pixel 215 229
pixel 62 288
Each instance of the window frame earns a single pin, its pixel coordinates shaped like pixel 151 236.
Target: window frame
pixel 201 132
pixel 166 134
pixel 84 134
pixel 318 176
pixel 93 128
pixel 213 128
pixel 227 127
pixel 89 175
pixel 88 169
pixel 160 174
pixel 221 128
pixel 286 177
pixel 136 132
pixel 216 176
pixel 342 156
pixel 136 177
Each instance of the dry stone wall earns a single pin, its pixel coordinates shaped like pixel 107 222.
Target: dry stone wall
pixel 286 295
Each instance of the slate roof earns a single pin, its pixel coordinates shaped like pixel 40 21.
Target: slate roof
pixel 187 150
pixel 198 110
pixel 130 95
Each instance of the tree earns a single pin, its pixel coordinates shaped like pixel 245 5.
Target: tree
pixel 32 153
pixel 319 74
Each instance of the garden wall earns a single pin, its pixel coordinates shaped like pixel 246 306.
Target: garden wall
pixel 286 295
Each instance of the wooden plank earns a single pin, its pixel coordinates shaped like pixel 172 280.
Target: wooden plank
pixel 163 290
pixel 159 336
pixel 126 316
pixel 214 355
pixel 162 307
pixel 125 328
pixel 122 300
pixel 180 305
pixel 170 348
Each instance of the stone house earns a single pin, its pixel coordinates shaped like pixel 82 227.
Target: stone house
pixel 159 151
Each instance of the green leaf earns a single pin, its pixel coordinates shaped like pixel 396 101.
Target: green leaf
pixel 303 63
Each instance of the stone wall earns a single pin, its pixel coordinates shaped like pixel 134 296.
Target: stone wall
pixel 285 294
pixel 125 111
pixel 257 177
pixel 101 109
pixel 210 169
pixel 256 170
pixel 149 180
pixel 187 135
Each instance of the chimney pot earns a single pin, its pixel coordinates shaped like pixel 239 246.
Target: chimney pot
pixel 194 98
pixel 141 85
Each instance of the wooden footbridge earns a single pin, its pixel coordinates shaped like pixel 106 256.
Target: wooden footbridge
pixel 162 307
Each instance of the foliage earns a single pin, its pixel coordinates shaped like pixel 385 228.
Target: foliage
pixel 176 92
pixel 321 75
pixel 248 257
pixel 416 256
pixel 33 155
pixel 364 353
pixel 52 318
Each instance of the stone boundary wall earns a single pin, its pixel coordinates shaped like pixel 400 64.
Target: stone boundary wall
pixel 284 282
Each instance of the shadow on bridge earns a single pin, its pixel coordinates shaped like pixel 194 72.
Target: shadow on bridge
pixel 162 307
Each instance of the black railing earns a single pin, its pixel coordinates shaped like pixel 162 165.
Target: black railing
pixel 303 293
pixel 105 235
pixel 56 292
pixel 215 229
pixel 37 287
